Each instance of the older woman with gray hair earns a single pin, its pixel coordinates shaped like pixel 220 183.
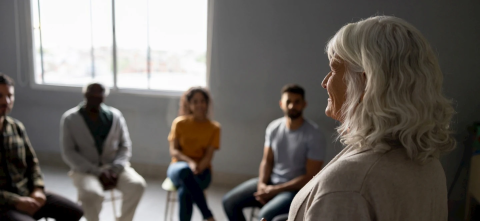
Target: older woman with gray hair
pixel 385 88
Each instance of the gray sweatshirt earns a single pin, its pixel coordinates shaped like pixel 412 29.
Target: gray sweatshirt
pixel 78 145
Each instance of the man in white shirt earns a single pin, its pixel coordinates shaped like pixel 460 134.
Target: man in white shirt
pixel 96 145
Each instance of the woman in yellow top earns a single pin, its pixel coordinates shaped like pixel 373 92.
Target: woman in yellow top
pixel 193 139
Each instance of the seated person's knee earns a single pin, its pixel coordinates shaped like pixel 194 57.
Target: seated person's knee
pixel 227 202
pixel 76 214
pixel 184 172
pixel 139 186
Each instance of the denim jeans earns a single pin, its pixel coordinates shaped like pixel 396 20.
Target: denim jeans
pixel 242 197
pixel 190 189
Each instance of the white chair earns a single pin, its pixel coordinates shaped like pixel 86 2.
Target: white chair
pixel 254 211
pixel 113 198
pixel 168 186
pixel 282 217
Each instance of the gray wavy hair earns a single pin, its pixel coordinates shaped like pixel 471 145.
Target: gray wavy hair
pixel 403 104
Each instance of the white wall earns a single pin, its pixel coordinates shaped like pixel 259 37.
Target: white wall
pixel 258 46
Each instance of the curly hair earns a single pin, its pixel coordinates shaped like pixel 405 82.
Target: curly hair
pixel 403 104
pixel 187 97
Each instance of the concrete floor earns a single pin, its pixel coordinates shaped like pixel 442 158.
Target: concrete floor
pixel 152 205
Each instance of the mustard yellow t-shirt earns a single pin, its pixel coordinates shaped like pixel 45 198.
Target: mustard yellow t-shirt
pixel 195 137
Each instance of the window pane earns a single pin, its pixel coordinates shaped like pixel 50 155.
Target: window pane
pixel 77 42
pixel 66 41
pixel 102 41
pixel 66 36
pixel 178 40
pixel 131 35
pixel 36 43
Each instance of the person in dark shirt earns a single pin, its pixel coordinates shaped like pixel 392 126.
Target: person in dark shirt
pixel 22 192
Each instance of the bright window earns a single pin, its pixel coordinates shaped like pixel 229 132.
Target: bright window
pixel 141 44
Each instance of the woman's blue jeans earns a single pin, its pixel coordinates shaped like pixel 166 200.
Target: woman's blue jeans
pixel 190 189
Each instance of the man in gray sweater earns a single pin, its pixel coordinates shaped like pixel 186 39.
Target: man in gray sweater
pixel 97 147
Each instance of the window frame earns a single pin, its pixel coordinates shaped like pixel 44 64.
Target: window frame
pixel 30 43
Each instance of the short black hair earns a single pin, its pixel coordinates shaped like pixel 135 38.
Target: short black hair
pixel 87 87
pixel 5 79
pixel 294 88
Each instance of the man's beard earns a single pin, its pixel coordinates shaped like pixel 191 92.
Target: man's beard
pixel 294 114
pixel 5 111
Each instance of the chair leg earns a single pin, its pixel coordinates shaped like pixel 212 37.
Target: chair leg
pixel 252 214
pixel 166 206
pixel 173 200
pixel 112 195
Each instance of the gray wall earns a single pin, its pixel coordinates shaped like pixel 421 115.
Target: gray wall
pixel 258 46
